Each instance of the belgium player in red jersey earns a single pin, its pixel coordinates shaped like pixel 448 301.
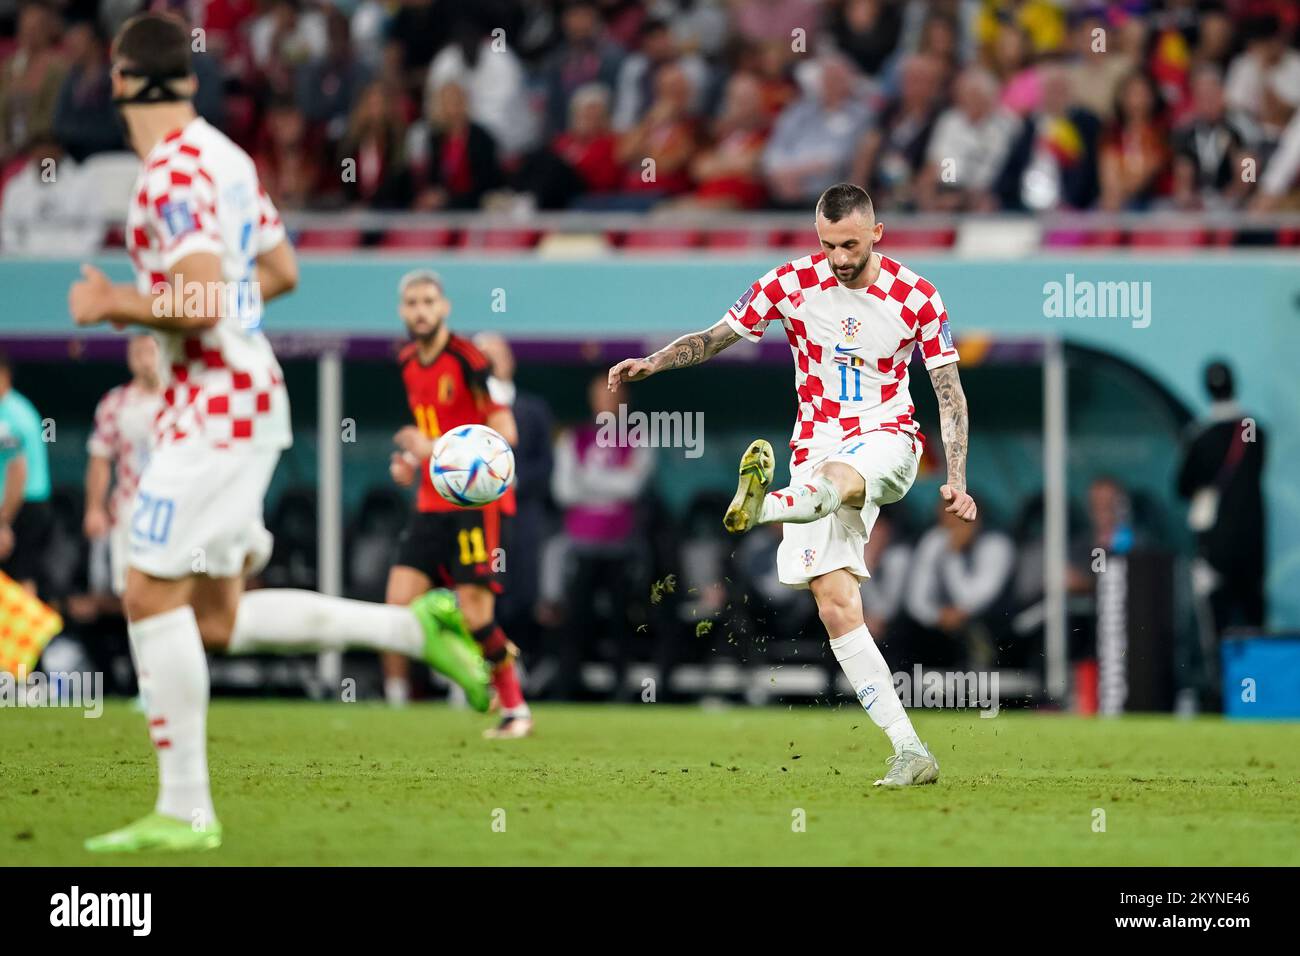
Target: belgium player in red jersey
pixel 446 381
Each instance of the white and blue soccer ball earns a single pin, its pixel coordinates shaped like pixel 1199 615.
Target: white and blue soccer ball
pixel 472 466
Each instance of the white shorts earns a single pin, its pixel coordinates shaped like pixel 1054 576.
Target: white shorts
pixel 199 511
pixel 887 462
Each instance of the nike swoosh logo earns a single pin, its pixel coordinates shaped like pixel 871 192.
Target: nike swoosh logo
pixel 872 704
pixel 840 349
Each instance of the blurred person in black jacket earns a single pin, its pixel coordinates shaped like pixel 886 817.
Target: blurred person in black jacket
pixel 1222 476
pixel 533 462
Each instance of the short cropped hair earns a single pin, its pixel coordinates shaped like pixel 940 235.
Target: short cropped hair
pixel 419 277
pixel 156 44
pixel 842 200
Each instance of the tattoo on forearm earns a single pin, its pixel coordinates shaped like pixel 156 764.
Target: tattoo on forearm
pixel 694 348
pixel 954 423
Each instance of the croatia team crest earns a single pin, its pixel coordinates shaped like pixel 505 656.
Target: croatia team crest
pixel 850 328
pixel 809 558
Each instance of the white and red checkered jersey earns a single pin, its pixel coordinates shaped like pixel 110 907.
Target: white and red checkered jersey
pixel 851 347
pixel 198 193
pixel 124 434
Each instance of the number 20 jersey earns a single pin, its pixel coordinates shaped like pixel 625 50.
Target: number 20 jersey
pixel 851 347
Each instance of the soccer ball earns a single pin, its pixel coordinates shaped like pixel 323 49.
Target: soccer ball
pixel 472 466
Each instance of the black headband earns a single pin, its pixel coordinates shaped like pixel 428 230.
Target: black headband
pixel 155 89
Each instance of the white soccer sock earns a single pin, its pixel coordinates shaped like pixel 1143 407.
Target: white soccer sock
pixel 276 619
pixel 173 675
pixel 865 667
pixel 801 503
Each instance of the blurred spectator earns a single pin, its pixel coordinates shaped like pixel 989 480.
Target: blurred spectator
pixel 892 153
pixel 1214 38
pixel 328 87
pixel 1280 180
pixel 461 160
pixel 1111 531
pixel 1267 61
pixel 1053 163
pixel 770 63
pixel 665 136
pixel 1221 475
pixel 288 159
pixel 1135 156
pixel 598 484
pixel 224 35
pixel 371 152
pixel 813 140
pixel 1099 65
pixel 84 122
pixel 589 145
pixel 959 571
pixel 30 79
pixel 636 77
pixel 487 68
pixel 866 31
pixel 534 460
pixel 583 56
pixel 969 145
pixel 417 30
pixel 775 20
pixel 728 173
pixel 287 36
pixel 51 205
pixel 1008 58
pixel 25 521
pixel 1209 150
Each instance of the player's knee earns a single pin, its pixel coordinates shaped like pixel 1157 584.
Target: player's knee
pixel 476 605
pixel 839 607
pixel 215 628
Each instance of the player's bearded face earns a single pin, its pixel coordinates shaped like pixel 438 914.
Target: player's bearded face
pixel 848 244
pixel 423 310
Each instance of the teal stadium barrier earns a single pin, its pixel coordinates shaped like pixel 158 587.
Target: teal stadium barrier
pixel 1185 310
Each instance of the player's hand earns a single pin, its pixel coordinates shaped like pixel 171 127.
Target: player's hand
pixel 6 541
pixel 90 297
pixel 961 504
pixel 96 523
pixel 629 370
pixel 402 467
pixel 411 439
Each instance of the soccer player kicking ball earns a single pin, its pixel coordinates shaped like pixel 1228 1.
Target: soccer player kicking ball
pixel 208 248
pixel 853 318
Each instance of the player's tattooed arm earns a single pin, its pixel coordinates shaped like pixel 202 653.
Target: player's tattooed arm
pixel 688 350
pixel 954 425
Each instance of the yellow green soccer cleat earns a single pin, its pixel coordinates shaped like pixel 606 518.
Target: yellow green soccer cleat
pixel 157 832
pixel 756 468
pixel 449 648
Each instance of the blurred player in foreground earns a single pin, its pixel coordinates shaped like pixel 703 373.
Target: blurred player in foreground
pixel 208 249
pixel 446 379
pixel 853 318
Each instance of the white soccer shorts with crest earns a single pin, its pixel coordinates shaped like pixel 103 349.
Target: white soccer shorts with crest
pixel 887 462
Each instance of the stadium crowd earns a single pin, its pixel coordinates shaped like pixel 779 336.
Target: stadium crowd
pixel 939 106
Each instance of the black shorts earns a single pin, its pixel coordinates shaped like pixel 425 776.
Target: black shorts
pixel 456 547
pixel 32 530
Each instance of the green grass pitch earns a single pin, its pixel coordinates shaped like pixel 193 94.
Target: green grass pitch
pixel 300 783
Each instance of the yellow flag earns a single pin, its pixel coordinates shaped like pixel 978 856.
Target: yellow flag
pixel 26 626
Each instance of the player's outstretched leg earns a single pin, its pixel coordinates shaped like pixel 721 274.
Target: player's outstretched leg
pixel 431 629
pixel 839 604
pixel 756 468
